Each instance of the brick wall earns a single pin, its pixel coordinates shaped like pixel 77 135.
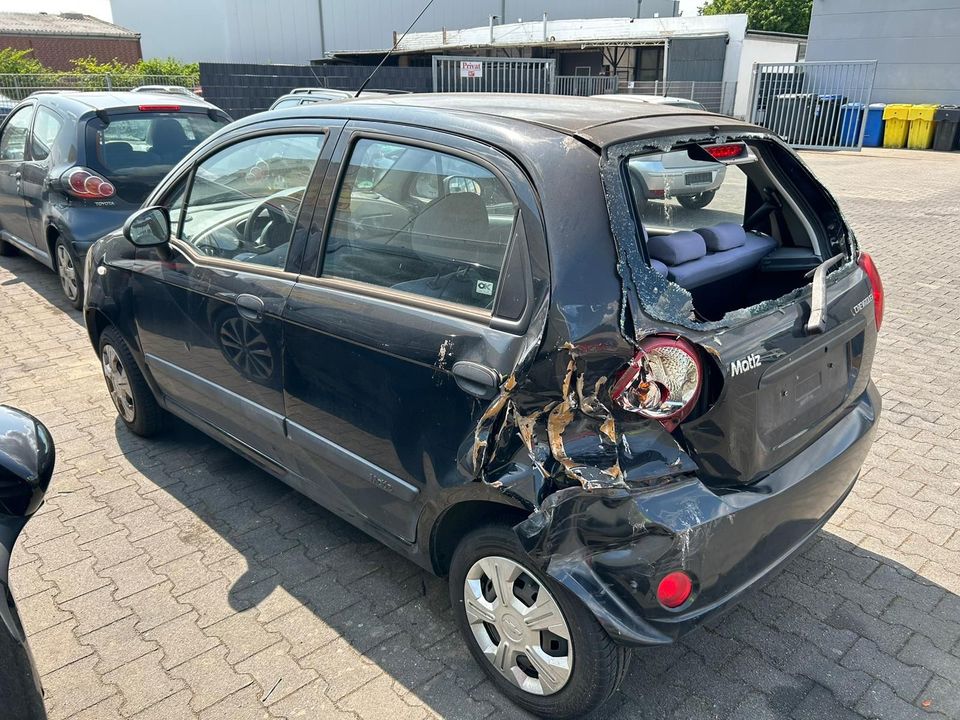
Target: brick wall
pixel 57 52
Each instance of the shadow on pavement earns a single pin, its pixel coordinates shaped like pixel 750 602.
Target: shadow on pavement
pixel 840 633
pixel 41 279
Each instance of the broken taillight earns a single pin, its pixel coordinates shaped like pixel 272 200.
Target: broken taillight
pixel 662 381
pixel 866 262
pixel 87 185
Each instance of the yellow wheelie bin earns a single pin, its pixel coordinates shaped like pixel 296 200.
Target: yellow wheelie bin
pixel 896 117
pixel 921 126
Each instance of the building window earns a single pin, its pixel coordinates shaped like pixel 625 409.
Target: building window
pixel 649 64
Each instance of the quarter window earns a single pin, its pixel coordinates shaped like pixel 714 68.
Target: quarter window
pixel 244 201
pixel 422 222
pixel 13 143
pixel 45 130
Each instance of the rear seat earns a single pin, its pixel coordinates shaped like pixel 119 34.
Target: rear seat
pixel 699 257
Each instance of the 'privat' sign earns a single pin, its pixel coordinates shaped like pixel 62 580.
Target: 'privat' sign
pixel 470 69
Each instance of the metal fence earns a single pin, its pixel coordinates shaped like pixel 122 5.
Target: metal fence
pixel 15 87
pixel 813 105
pixel 714 96
pixel 455 73
pixel 586 84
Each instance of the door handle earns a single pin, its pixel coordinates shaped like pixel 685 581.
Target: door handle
pixel 250 307
pixel 476 379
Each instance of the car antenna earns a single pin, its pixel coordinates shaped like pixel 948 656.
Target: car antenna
pixel 395 45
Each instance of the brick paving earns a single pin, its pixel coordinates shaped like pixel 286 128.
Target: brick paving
pixel 171 579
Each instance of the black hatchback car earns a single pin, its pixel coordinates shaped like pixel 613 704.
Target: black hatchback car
pixel 74 165
pixel 452 320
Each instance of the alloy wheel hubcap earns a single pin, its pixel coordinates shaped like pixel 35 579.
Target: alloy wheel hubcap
pixel 118 383
pixel 518 625
pixel 67 272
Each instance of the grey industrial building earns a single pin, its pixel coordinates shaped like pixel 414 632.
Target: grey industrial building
pixel 916 44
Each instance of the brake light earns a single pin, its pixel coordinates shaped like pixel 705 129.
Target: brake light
pixel 87 185
pixel 662 381
pixel 674 590
pixel 159 108
pixel 866 262
pixel 726 152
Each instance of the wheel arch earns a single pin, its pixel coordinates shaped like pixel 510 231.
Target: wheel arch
pixel 462 518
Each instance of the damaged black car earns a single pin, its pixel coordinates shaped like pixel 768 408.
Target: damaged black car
pixel 464 324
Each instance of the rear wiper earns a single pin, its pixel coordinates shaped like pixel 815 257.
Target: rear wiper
pixel 818 300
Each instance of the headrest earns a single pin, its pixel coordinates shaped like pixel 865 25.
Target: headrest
pixel 724 236
pixel 659 267
pixel 680 247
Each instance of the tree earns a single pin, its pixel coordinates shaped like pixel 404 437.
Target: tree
pixel 20 62
pixel 789 16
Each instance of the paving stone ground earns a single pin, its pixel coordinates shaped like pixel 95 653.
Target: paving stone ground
pixel 171 579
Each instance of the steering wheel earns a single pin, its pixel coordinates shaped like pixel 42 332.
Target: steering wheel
pixel 280 207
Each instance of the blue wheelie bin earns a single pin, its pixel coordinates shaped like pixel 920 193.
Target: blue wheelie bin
pixel 851 117
pixel 873 135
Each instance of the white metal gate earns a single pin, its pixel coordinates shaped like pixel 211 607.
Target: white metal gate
pixel 454 73
pixel 813 105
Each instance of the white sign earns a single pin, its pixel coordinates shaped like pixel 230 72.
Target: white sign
pixel 471 69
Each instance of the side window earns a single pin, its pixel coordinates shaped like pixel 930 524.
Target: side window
pixel 244 201
pixel 13 142
pixel 45 130
pixel 420 221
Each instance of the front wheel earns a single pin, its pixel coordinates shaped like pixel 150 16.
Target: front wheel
pixel 537 642
pixel 128 389
pixel 698 201
pixel 68 268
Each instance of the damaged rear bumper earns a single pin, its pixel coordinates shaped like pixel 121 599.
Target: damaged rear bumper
pixel 612 548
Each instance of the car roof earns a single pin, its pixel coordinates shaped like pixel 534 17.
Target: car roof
pixel 95 101
pixel 598 121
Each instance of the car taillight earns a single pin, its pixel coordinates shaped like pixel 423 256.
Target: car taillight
pixel 87 185
pixel 728 151
pixel 866 262
pixel 662 381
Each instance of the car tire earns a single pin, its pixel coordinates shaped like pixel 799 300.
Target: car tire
pixel 586 666
pixel 132 397
pixel 698 201
pixel 7 249
pixel 70 273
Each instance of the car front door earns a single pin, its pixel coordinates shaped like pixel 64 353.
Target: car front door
pixel 13 148
pixel 43 154
pixel 414 315
pixel 208 312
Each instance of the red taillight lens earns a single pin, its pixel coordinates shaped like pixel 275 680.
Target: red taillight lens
pixel 662 381
pixel 159 108
pixel 87 185
pixel 726 152
pixel 866 262
pixel 674 590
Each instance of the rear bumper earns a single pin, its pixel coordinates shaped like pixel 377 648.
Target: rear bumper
pixel 727 543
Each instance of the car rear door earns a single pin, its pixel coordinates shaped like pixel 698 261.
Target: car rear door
pixel 414 312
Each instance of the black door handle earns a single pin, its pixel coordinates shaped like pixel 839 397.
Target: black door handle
pixel 476 379
pixel 250 307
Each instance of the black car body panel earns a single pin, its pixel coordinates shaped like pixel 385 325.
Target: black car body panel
pixel 365 409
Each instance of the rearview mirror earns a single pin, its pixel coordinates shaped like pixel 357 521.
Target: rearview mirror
pixel 26 462
pixel 148 227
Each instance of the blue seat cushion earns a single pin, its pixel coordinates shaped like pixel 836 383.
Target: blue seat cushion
pixel 679 247
pixel 718 265
pixel 723 236
pixel 659 267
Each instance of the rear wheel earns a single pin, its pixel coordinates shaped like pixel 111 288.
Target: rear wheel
pixel 539 645
pixel 68 268
pixel 698 201
pixel 128 389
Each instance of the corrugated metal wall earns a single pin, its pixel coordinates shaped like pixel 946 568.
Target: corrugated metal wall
pixel 697 59
pixel 289 31
pixel 917 44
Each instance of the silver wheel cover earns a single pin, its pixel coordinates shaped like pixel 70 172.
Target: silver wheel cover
pixel 515 648
pixel 118 383
pixel 67 273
